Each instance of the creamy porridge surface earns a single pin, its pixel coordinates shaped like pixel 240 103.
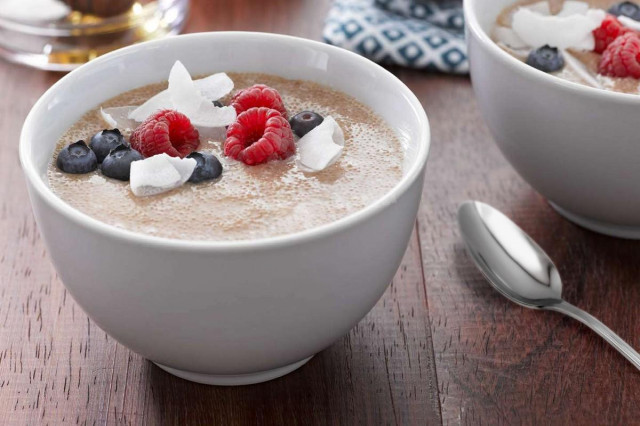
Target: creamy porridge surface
pixel 247 202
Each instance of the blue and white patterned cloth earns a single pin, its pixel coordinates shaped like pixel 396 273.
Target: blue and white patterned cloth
pixel 423 34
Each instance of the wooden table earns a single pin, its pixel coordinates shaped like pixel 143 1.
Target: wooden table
pixel 440 347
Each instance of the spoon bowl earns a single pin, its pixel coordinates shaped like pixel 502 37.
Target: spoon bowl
pixel 520 270
pixel 510 260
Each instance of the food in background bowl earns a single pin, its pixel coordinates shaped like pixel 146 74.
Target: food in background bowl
pixel 242 310
pixel 595 42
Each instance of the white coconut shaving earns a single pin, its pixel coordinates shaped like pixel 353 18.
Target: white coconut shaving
pixel 541 7
pixel 192 98
pixel 160 173
pixel 187 99
pixel 118 117
pixel 569 7
pixel 155 103
pixel 215 86
pixel 321 147
pixel 564 32
pixel 629 23
pixel 209 116
pixel 573 8
pixel 184 96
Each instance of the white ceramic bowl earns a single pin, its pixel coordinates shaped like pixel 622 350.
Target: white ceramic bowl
pixel 227 312
pixel 576 145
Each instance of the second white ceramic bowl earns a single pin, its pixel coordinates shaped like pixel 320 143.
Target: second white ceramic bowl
pixel 227 312
pixel 576 145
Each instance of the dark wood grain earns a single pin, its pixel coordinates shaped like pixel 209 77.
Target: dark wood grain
pixel 440 347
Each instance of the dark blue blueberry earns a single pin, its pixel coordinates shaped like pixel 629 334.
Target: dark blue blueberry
pixel 117 164
pixel 546 58
pixel 103 142
pixel 77 158
pixel 626 8
pixel 207 167
pixel 218 104
pixel 304 122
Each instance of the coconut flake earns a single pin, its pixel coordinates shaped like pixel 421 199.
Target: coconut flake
pixel 184 166
pixel 509 38
pixel 188 100
pixel 629 23
pixel 573 8
pixel 211 116
pixel 321 147
pixel 542 7
pixel 563 32
pixel 33 10
pixel 156 103
pixel 118 117
pixel 107 118
pixel 215 86
pixel 186 96
pixel 160 173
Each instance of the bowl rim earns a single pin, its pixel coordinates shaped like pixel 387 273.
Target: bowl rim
pixel 42 190
pixel 474 28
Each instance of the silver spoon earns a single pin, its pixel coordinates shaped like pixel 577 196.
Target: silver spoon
pixel 519 269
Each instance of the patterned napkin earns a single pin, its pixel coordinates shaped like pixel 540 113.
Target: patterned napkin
pixel 423 34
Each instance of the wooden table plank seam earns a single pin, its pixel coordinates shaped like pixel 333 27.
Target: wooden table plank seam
pixel 429 349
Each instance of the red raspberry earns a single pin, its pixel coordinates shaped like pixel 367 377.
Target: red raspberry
pixel 258 95
pixel 609 30
pixel 622 57
pixel 168 132
pixel 259 135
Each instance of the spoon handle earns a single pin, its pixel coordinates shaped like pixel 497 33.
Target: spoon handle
pixel 605 332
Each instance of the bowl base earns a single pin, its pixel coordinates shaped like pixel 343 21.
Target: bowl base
pixel 234 379
pixel 628 232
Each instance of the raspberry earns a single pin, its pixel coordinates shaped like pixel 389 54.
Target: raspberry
pixel 609 30
pixel 168 132
pixel 622 57
pixel 258 95
pixel 259 135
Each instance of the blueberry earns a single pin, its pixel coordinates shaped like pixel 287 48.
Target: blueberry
pixel 304 122
pixel 103 142
pixel 77 158
pixel 626 8
pixel 218 104
pixel 546 58
pixel 207 167
pixel 117 164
